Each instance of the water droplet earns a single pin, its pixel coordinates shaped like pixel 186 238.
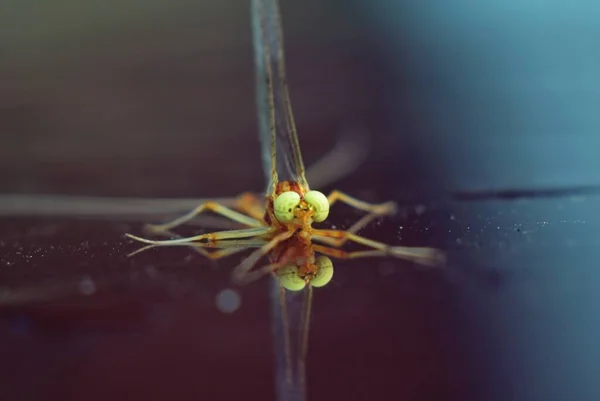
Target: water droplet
pixel 86 286
pixel 228 301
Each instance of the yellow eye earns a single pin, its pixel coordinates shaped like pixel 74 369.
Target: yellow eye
pixel 325 272
pixel 284 206
pixel 289 279
pixel 320 204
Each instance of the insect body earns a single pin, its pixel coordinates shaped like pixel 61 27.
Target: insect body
pixel 281 224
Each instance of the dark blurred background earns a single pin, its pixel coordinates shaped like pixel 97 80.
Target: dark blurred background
pixel 154 98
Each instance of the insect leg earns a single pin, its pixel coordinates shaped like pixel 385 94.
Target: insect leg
pixel 246 202
pixel 242 275
pixel 209 239
pixel 422 255
pixel 373 210
pixel 363 222
pixel 379 209
pixel 225 248
pixel 340 254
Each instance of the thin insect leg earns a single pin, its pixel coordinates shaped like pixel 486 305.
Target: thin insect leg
pixel 340 254
pixel 209 238
pixel 215 208
pixel 363 222
pixel 374 211
pixel 221 253
pixel 380 209
pixel 226 248
pixel 220 243
pixel 242 274
pixel 258 273
pixel 171 234
pixel 422 255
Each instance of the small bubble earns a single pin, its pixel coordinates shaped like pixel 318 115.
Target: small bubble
pixel 228 301
pixel 86 286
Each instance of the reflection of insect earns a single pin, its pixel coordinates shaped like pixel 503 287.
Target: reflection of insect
pixel 282 228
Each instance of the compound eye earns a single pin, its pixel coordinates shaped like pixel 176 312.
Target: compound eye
pixel 324 272
pixel 284 206
pixel 319 203
pixel 289 278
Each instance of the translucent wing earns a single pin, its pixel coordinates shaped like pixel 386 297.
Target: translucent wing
pixel 291 320
pixel 281 155
pixel 282 160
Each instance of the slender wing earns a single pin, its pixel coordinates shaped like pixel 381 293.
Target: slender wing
pixel 281 156
pixel 291 321
pixel 281 159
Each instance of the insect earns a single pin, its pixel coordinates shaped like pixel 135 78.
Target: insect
pixel 290 206
pixel 282 224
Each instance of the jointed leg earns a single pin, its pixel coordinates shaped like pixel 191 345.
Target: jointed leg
pixel 254 275
pixel 426 256
pixel 339 254
pixel 373 210
pixel 225 248
pixel 209 239
pixel 221 253
pixel 379 210
pixel 338 242
pixel 247 203
pixel 198 247
pixel 242 274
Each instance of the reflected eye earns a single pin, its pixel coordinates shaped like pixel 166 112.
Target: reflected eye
pixel 284 206
pixel 324 272
pixel 289 279
pixel 319 203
